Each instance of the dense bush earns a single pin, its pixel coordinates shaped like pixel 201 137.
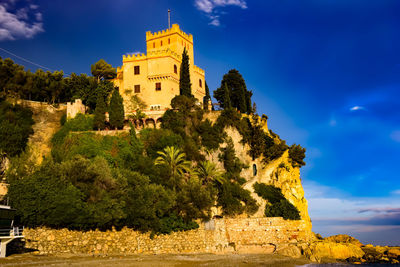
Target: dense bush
pixel 283 209
pixel 81 122
pixel 297 155
pixel 236 200
pixel 15 127
pixel 278 205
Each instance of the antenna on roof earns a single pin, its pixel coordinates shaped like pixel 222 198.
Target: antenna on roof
pixel 169 19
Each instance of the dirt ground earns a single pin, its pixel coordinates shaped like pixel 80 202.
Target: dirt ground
pixel 29 259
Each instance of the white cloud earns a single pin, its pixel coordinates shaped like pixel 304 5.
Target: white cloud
pixel 18 25
pixel 355 108
pixel 210 6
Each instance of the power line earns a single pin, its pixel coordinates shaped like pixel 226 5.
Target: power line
pixel 26 60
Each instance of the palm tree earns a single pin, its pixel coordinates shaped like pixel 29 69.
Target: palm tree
pixel 208 172
pixel 175 161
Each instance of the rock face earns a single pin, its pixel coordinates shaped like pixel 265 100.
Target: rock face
pixel 380 254
pixel 47 122
pixel 344 239
pixel 326 250
pixel 279 173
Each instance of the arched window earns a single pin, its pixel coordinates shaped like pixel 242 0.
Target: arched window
pixel 169 41
pixel 254 169
pixel 161 43
pixel 154 45
pixel 175 69
pixel 200 83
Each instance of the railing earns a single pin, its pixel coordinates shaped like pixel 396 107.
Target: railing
pixel 14 232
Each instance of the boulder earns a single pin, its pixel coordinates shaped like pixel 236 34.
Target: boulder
pixel 344 239
pixel 325 250
pixel 290 251
pixel 394 252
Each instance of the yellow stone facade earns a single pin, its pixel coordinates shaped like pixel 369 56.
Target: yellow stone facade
pixel 154 76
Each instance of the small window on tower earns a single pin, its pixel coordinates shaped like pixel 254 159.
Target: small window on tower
pixel 175 69
pixel 200 83
pixel 158 86
pixel 161 43
pixel 169 41
pixel 154 45
pixel 137 70
pixel 137 88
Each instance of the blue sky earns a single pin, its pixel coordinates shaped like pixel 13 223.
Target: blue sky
pixel 326 72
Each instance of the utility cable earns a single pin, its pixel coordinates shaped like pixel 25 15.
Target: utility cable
pixel 26 60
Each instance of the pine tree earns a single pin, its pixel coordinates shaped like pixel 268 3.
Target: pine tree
pixel 117 113
pixel 185 87
pixel 239 95
pixel 227 99
pixel 207 97
pixel 100 113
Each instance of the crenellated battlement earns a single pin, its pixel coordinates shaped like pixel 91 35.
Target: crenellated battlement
pixel 199 70
pixel 152 54
pixel 132 57
pixel 174 29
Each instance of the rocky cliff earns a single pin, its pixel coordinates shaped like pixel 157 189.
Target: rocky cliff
pixel 279 173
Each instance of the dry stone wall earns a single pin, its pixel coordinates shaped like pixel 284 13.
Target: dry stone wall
pixel 242 235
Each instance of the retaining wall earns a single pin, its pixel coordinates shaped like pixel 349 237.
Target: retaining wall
pixel 242 235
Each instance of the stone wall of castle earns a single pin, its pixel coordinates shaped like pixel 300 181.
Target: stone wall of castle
pixel 73 108
pixel 241 235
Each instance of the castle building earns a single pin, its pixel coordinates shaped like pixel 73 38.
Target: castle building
pixel 154 77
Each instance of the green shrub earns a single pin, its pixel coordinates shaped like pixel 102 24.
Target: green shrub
pixel 236 200
pixel 283 209
pixel 297 155
pixel 81 122
pixel 232 164
pixel 15 128
pixel 155 140
pixel 268 192
pixel 278 205
pixel 211 136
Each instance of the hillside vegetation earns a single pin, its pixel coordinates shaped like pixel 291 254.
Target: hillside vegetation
pixel 156 180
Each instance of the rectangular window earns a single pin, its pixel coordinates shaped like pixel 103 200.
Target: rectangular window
pixel 137 70
pixel 158 86
pixel 137 88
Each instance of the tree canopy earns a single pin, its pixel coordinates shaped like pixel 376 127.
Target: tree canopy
pixel 101 70
pixel 239 96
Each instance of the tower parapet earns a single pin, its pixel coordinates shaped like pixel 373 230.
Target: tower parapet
pixel 174 29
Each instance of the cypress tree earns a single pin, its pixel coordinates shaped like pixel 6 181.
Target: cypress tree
pixel 227 99
pixel 185 87
pixel 100 113
pixel 117 113
pixel 207 98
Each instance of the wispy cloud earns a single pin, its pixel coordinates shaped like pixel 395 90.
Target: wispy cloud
pixel 210 8
pixel 334 212
pixel 395 135
pixel 21 23
pixel 396 192
pixel 355 108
